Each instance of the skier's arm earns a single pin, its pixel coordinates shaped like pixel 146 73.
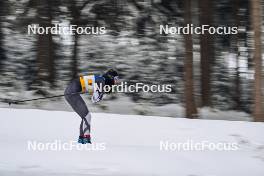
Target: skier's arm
pixel 98 92
pixel 97 96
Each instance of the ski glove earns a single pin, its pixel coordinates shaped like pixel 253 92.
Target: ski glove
pixel 97 96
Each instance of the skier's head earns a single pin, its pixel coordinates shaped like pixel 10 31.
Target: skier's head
pixel 111 77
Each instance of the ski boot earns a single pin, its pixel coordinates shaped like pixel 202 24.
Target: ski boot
pixel 84 139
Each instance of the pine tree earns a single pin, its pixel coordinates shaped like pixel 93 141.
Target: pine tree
pixel 256 25
pixel 2 50
pixel 191 110
pixel 207 51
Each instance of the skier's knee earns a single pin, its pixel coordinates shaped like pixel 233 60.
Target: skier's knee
pixel 85 113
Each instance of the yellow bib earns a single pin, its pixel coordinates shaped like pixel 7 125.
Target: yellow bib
pixel 87 83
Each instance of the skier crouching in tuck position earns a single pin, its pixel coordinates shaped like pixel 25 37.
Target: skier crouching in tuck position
pixel 86 84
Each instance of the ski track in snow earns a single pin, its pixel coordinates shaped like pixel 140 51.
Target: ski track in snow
pixel 132 146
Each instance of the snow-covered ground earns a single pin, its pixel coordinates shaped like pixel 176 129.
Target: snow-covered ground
pixel 127 145
pixel 124 105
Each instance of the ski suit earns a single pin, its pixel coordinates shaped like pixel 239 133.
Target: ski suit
pixel 84 84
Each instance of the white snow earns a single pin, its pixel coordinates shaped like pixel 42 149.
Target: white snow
pixel 131 143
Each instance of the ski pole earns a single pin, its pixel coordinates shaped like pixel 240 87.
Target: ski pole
pixel 27 100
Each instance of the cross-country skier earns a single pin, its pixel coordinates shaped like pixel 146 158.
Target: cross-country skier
pixel 86 84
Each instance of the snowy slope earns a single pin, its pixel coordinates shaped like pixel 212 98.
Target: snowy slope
pixel 131 143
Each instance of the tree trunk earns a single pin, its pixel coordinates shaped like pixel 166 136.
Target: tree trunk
pixel 45 59
pixel 76 15
pixel 74 65
pixel 256 25
pixel 236 49
pixel 206 51
pixel 191 110
pixel 2 51
pixel 45 47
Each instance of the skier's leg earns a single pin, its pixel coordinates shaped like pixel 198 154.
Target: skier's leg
pixel 81 128
pixel 85 130
pixel 86 124
pixel 79 106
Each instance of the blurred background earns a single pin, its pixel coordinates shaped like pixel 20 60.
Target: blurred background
pixel 213 76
